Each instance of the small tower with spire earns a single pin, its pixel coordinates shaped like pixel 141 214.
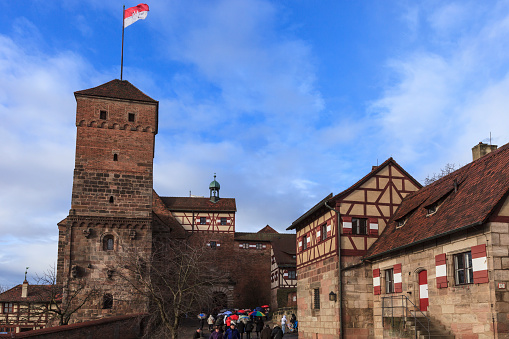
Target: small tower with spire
pixel 214 190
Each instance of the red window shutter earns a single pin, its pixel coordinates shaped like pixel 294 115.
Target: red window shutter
pixel 377 289
pixel 480 264
pixel 398 283
pixel 347 225
pixel 329 229
pixel 373 226
pixel 441 270
pixel 299 244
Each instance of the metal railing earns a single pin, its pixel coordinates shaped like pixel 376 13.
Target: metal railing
pixel 402 307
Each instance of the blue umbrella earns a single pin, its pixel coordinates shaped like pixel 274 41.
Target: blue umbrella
pixel 202 316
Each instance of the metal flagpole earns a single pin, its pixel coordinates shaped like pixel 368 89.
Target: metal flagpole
pixel 122 56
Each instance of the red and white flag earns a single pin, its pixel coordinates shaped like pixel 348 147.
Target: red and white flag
pixel 133 14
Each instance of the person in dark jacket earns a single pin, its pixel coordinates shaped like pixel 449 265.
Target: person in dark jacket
pixel 198 334
pixel 231 333
pixel 259 326
pixel 240 327
pixel 248 329
pixel 277 333
pixel 217 334
pixel 266 332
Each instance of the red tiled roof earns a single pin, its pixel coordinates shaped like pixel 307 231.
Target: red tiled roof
pixel 199 204
pixel 284 248
pixel 267 229
pixel 35 293
pixel 480 187
pixel 118 89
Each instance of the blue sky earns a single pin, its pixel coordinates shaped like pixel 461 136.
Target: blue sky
pixel 287 101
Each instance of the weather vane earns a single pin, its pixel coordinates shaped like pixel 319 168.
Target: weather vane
pixel 26 270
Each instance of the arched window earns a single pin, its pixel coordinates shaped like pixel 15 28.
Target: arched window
pixel 107 301
pixel 111 200
pixel 108 243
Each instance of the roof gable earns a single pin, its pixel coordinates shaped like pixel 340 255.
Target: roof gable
pixel 117 89
pixel 469 194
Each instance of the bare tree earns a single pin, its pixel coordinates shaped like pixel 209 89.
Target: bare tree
pixel 176 279
pixel 448 169
pixel 57 301
pixel 3 288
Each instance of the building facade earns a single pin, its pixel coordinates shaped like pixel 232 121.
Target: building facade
pixel 114 208
pixel 336 233
pixel 440 254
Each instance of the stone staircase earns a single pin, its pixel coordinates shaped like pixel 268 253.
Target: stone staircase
pixel 436 329
pixel 400 327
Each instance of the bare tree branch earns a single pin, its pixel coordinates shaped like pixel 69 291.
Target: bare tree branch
pixel 176 279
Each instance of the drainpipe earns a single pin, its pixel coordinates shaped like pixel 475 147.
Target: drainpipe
pixel 340 278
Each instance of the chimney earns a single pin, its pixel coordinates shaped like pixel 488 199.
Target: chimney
pixel 24 289
pixel 480 150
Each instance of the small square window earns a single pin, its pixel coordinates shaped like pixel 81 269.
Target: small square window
pixel 245 245
pixel 292 275
pixel 103 115
pixel 359 225
pixel 223 221
pixel 259 246
pixel 131 117
pixel 213 244
pixel 8 308
pixel 203 221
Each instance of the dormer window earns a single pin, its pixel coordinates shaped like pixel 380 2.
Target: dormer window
pixel 103 115
pixel 431 209
pixel 401 222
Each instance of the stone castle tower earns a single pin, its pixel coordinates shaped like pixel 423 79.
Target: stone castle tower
pixel 111 206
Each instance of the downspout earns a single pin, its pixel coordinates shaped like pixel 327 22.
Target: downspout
pixel 340 278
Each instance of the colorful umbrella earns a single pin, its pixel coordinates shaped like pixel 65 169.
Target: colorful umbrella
pixel 234 317
pixel 202 316
pixel 241 311
pixel 227 312
pixel 257 314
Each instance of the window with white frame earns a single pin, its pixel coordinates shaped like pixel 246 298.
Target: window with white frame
pixel 463 272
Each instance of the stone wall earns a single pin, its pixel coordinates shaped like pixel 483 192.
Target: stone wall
pixel 358 301
pixel 122 327
pixel 322 322
pixel 466 310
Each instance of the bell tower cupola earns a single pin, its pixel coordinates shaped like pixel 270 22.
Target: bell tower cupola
pixel 214 190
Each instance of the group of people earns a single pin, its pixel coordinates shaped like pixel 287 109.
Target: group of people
pixel 224 326
pixel 292 325
pixel 237 331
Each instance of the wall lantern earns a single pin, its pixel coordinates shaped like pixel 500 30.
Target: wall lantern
pixel 332 296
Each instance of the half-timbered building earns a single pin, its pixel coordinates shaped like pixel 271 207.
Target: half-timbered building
pixel 22 308
pixel 437 253
pixel 283 272
pixel 337 232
